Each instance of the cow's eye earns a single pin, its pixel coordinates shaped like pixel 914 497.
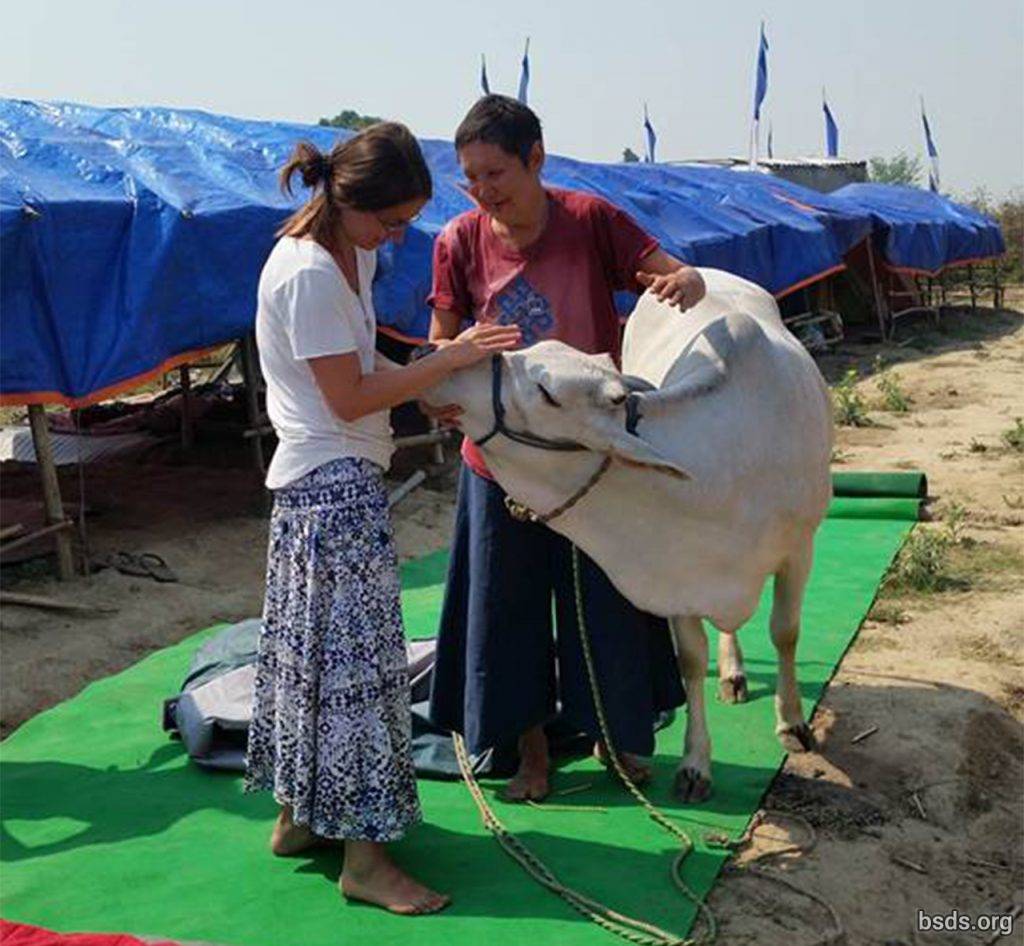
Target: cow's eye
pixel 547 396
pixel 619 399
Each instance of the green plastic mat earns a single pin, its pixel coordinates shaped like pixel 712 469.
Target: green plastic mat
pixel 106 826
pixel 875 507
pixel 912 485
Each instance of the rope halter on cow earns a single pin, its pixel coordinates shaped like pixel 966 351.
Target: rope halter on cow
pixel 519 510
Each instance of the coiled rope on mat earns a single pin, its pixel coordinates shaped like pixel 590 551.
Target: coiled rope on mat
pixel 629 928
pixel 626 927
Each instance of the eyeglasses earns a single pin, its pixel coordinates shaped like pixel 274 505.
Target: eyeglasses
pixel 397 227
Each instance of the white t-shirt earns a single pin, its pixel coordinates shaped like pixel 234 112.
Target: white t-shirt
pixel 306 309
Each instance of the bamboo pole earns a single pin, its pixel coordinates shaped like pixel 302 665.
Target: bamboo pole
pixel 880 306
pixel 435 429
pixel 250 372
pixel 51 490
pixel 53 604
pixel 187 424
pixel 19 541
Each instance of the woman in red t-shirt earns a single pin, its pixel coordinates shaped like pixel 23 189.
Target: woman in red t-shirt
pixel 549 261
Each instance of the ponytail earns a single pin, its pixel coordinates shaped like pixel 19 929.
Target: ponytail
pixel 380 167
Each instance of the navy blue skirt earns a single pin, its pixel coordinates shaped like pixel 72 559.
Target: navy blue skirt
pixel 501 667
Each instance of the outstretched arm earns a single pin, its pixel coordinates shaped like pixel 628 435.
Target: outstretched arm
pixel 352 394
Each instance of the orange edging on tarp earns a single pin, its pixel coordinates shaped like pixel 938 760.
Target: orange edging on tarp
pixel 55 397
pixel 911 271
pixel 810 280
pixel 804 283
pixel 400 336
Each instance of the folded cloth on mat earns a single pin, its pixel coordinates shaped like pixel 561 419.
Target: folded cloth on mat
pixel 211 714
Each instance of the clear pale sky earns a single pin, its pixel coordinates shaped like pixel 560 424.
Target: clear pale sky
pixel 593 64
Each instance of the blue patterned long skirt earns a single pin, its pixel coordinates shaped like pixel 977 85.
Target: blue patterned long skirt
pixel 331 728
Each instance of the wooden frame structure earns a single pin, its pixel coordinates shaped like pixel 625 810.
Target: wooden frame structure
pixel 56 523
pixel 929 293
pixel 257 426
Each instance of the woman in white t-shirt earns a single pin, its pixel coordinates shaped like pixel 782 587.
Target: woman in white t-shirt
pixel 331 727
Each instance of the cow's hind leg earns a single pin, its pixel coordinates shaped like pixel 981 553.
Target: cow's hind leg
pixel 732 678
pixel 693 778
pixel 790 581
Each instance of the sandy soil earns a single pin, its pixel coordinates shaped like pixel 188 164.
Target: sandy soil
pixel 924 814
pixel 207 522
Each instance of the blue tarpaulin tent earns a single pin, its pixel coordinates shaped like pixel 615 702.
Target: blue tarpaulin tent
pixel 919 231
pixel 132 238
pixel 128 237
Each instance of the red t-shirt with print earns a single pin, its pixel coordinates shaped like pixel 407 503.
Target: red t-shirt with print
pixel 561 286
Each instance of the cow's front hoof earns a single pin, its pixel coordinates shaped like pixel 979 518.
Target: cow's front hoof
pixel 733 689
pixel 691 785
pixel 798 738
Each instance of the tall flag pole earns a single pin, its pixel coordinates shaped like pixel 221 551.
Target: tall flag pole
pixel 484 84
pixel 652 138
pixel 831 129
pixel 760 91
pixel 524 74
pixel 933 155
pixel 771 153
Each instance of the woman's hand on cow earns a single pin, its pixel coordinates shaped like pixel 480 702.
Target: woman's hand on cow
pixel 682 288
pixel 479 342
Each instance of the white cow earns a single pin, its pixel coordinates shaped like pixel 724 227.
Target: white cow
pixel 723 484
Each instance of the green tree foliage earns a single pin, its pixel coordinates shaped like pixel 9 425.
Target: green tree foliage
pixel 902 169
pixel 1009 212
pixel 350 119
pixel 629 156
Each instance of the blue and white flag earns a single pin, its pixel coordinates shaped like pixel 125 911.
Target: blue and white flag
pixel 652 138
pixel 524 75
pixel 933 154
pixel 761 84
pixel 484 84
pixel 760 91
pixel 771 153
pixel 831 129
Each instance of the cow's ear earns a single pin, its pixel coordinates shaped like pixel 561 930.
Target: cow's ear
pixel 538 373
pixel 632 451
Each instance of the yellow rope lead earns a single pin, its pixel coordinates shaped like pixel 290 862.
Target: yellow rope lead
pixel 628 928
pixel 656 816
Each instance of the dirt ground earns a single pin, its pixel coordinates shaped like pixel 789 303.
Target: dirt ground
pixel 923 814
pixel 926 812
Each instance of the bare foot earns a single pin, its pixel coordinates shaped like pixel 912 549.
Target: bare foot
pixel 370 876
pixel 530 783
pixel 289 838
pixel 639 772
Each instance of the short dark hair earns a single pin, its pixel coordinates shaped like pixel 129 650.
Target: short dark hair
pixel 502 121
